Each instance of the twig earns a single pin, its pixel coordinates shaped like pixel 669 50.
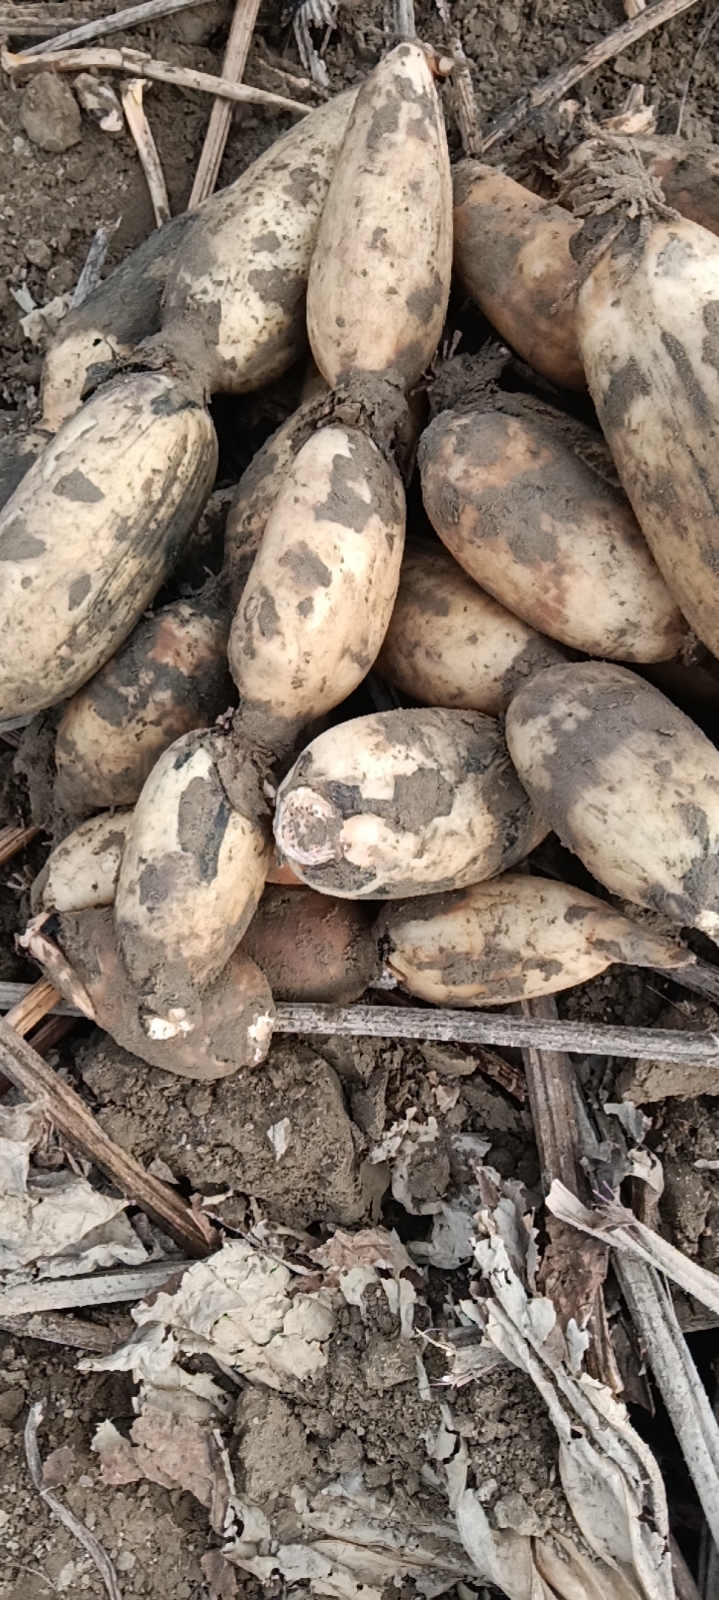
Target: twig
pixel 146 148
pixel 115 22
pixel 93 265
pixel 557 84
pixel 31 21
pixel 102 1289
pixel 704 35
pixel 139 65
pixel 233 66
pixel 88 1541
pixel 471 1027
pixel 29 1073
pixel 15 838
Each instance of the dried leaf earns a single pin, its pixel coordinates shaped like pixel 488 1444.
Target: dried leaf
pixel 55 1221
pixel 618 1226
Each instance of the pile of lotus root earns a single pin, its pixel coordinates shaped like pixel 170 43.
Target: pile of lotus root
pixel 548 576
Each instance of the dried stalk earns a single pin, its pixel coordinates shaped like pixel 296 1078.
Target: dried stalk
pixel 15 838
pixel 33 1006
pixel 482 1027
pixel 473 1028
pixel 32 22
pixel 139 65
pixel 100 1289
pixel 679 1383
pixel 29 1073
pixel 233 66
pixel 91 1337
pixel 96 1551
pixel 146 148
pixel 549 1085
pixel 557 84
pixel 115 22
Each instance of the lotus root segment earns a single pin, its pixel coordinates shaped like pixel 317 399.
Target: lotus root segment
pixel 546 536
pixel 82 871
pixel 404 803
pixel 380 274
pixel 627 782
pixel 256 494
pixel 95 337
pixel 450 644
pixel 169 677
pixel 225 1027
pixel 319 597
pixel 648 326
pixel 93 529
pixel 512 939
pixel 513 255
pixel 234 303
pixel 192 873
pixel 312 947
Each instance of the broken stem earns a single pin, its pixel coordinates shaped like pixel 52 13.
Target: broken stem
pixel 141 131
pixel 137 64
pixel 233 66
pixel 130 17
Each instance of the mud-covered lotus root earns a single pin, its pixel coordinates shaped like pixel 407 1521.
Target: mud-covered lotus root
pixel 647 323
pixel 225 1027
pixel 257 492
pixel 169 677
pixel 192 873
pixel 547 537
pixel 320 593
pixel 95 337
pixel 92 530
pixel 234 302
pixel 380 274
pixel 628 783
pixel 512 939
pixel 311 947
pixel 82 871
pixel 404 803
pixel 450 644
pixel 513 255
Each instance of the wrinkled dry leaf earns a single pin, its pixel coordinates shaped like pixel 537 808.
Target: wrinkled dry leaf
pixel 55 1222
pixel 354 1547
pixel 369 1247
pixel 610 1478
pixel 236 1307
